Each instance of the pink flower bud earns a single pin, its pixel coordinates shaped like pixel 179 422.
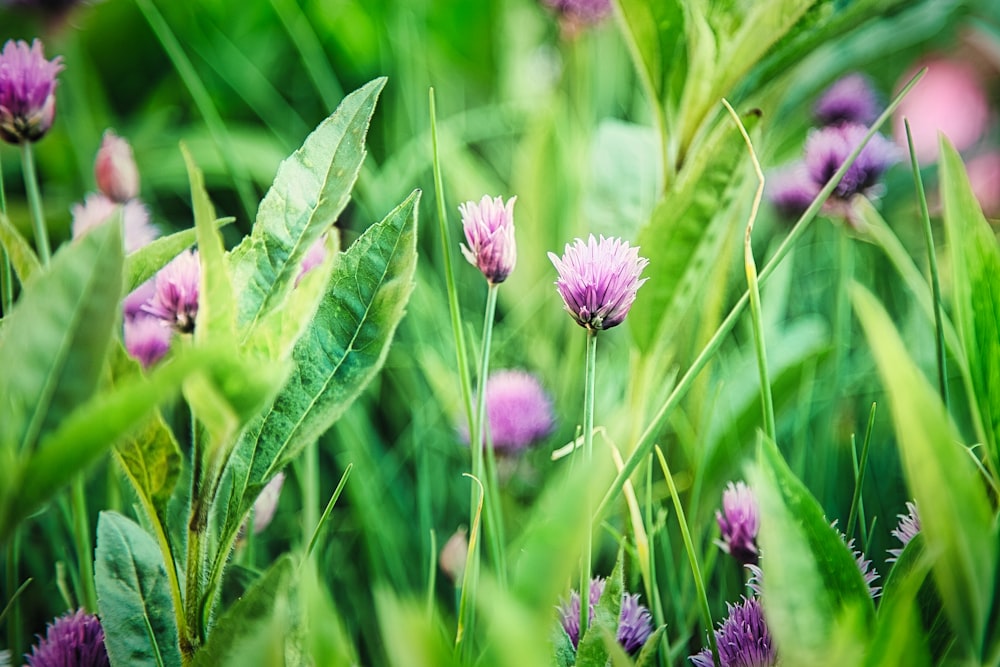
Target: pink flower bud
pixel 115 170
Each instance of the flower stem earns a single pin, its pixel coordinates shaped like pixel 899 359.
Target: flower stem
pixel 590 382
pixel 699 583
pixel 14 610
pixel 84 546
pixel 35 203
pixel 6 277
pixel 482 468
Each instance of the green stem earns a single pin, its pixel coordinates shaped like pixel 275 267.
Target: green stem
pixel 35 203
pixel 6 277
pixel 14 611
pixel 699 582
pixel 590 382
pixel 482 446
pixel 84 546
pixel 310 493
pixel 203 101
pixel 314 59
pixel 649 436
pixel 925 216
pixel 197 525
pixel 859 478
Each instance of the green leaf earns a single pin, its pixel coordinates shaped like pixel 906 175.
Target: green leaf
pixel 813 591
pixel 975 260
pixel 142 264
pixel 565 655
pixel 900 638
pixel 133 595
pixel 245 617
pixel 91 430
pixel 57 337
pixel 339 354
pixel 955 515
pixel 310 190
pixel 22 256
pixel 649 651
pixel 687 230
pixel 592 651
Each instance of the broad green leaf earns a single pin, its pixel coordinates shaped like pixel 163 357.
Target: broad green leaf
pixel 565 655
pixel 142 264
pixel 975 261
pixel 151 459
pixel 813 591
pixel 649 651
pixel 687 230
pixel 955 515
pixel 216 298
pixel 339 354
pixel 133 595
pixel 22 256
pixel 57 337
pixel 90 430
pixel 593 651
pixel 901 636
pixel 310 190
pixel 245 617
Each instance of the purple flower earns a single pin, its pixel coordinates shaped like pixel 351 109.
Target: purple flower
pixel 314 257
pixel 27 91
pixel 868 573
pixel 598 280
pixel 738 522
pixel 74 639
pixel 792 190
pixel 115 170
pixel 97 208
pixel 137 298
pixel 147 338
pixel 850 99
pixel 518 410
pixel 827 148
pixel 635 623
pixel 906 529
pixel 743 639
pixel 176 297
pixel 489 232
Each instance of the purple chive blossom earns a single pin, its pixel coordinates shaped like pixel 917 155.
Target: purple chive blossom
pixel 738 522
pixel 849 100
pixel 115 170
pixel 580 12
pixel 743 639
pixel 137 298
pixel 176 297
pixel 792 190
pixel 97 208
pixel 635 623
pixel 75 639
pixel 147 338
pixel 489 233
pixel 906 529
pixel 827 148
pixel 868 573
pixel 518 410
pixel 598 280
pixel 27 91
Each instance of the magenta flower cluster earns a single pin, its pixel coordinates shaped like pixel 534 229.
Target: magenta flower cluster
pixel 27 91
pixel 580 12
pixel 738 522
pixel 175 300
pixel 743 639
pixel 76 639
pixel 598 280
pixel 844 111
pixel 519 411
pixel 907 528
pixel 489 235
pixel 635 623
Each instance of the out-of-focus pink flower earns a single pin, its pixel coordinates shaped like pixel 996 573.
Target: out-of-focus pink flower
pixel 147 338
pixel 97 208
pixel 267 503
pixel 949 99
pixel 453 555
pixel 177 286
pixel 849 100
pixel 984 176
pixel 314 257
pixel 115 170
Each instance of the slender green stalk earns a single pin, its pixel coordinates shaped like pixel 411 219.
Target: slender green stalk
pixel 314 60
pixel 753 288
pixel 659 420
pixel 470 580
pixel 329 508
pixel 699 582
pixel 589 384
pixel 83 543
pixel 310 492
pixel 203 100
pixel 196 548
pixel 432 563
pixel 35 204
pixel 859 477
pixel 13 609
pixel 925 217
pixel 482 447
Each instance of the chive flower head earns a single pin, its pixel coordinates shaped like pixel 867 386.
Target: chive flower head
pixel 76 638
pixel 489 236
pixel 27 91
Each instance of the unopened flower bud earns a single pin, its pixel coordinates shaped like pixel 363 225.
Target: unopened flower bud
pixel 115 170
